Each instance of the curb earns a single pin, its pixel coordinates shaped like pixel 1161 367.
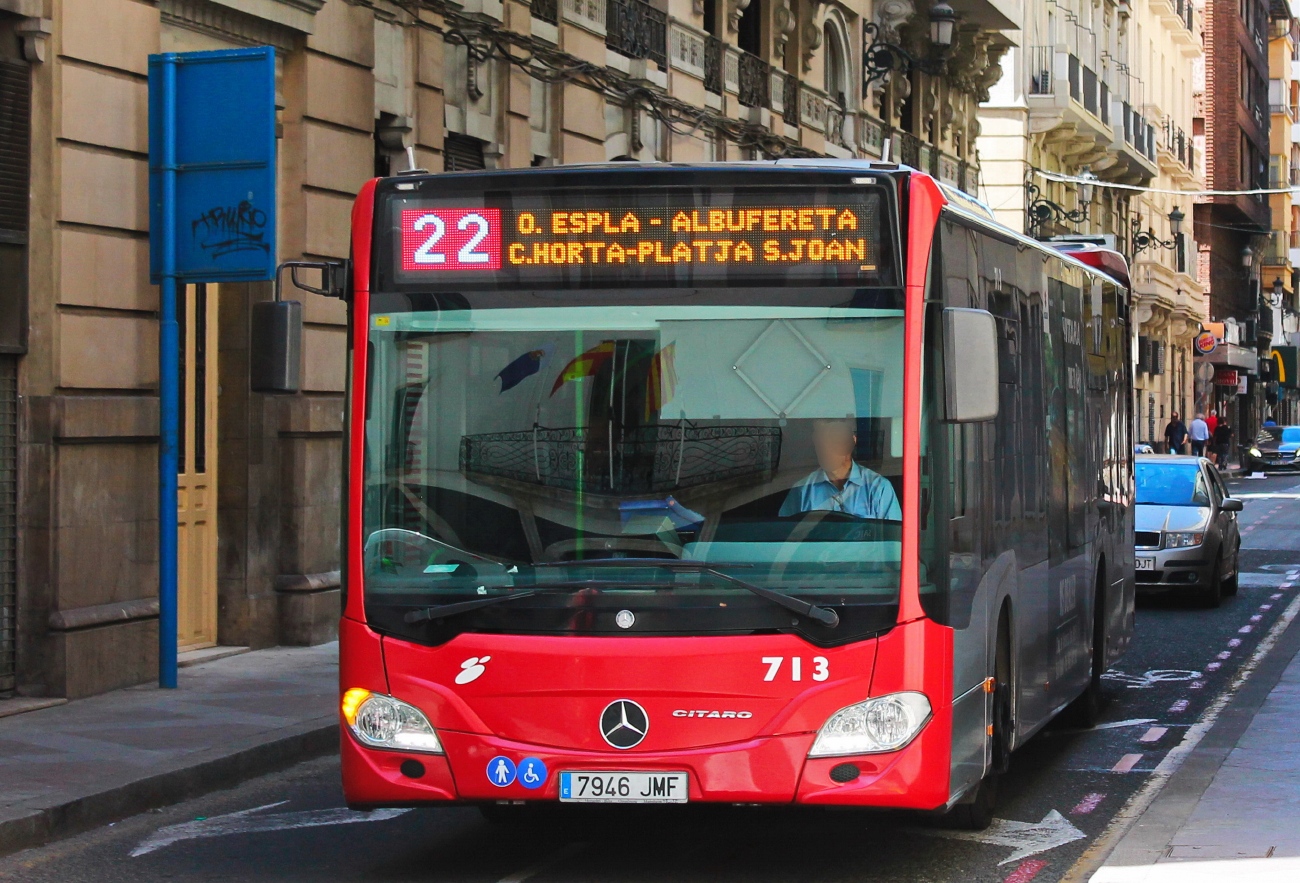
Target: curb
pixel 1152 817
pixel 192 777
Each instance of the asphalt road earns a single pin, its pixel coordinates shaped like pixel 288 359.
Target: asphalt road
pixel 1063 792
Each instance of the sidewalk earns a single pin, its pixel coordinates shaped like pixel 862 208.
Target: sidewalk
pixel 81 764
pixel 1232 810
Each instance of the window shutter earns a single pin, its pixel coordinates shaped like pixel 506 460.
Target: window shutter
pixel 15 148
pixel 462 153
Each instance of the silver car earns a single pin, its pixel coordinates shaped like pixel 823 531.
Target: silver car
pixel 1187 539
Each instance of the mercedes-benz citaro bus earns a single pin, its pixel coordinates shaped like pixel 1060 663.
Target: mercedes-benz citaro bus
pixel 758 483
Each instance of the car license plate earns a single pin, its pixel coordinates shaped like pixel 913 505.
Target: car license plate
pixel 616 787
pixel 1145 564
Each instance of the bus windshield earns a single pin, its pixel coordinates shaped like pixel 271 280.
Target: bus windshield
pixel 740 433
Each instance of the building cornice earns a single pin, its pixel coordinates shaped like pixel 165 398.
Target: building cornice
pixel 297 15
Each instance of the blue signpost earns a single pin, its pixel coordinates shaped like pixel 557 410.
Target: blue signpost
pixel 211 219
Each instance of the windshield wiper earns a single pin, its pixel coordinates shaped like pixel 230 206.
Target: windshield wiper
pixel 444 610
pixel 823 615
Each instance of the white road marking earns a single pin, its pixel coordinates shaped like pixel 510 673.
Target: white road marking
pixel 1224 654
pixel 1120 823
pixel 244 822
pixel 1178 707
pixel 1245 629
pixel 1235 643
pixel 1126 763
pixel 1026 838
pixel 1214 666
pixel 1153 734
pixel 550 861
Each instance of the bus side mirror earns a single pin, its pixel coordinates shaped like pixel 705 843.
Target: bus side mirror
pixel 970 358
pixel 275 347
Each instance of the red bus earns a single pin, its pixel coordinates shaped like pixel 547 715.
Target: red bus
pixel 762 483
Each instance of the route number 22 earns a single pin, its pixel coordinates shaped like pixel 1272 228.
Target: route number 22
pixel 451 239
pixel 820 668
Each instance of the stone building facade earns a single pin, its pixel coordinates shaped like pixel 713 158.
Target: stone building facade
pixel 1232 230
pixel 1104 90
pixel 364 88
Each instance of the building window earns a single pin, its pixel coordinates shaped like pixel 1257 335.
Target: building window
pixel 834 66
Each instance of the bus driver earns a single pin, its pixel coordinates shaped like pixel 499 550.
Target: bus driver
pixel 840 484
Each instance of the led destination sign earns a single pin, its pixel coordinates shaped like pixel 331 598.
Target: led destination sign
pixel 617 240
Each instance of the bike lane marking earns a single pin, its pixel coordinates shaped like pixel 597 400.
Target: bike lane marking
pixel 1095 855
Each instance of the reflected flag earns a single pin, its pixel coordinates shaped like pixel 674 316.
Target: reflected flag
pixel 525 366
pixel 585 365
pixel 661 380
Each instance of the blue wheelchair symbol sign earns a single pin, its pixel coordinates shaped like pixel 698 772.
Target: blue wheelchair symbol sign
pixel 501 771
pixel 532 773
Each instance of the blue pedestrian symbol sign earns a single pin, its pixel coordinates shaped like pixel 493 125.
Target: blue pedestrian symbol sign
pixel 532 773
pixel 501 771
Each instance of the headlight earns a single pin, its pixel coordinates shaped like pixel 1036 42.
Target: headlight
pixel 1183 540
pixel 883 724
pixel 1254 452
pixel 384 722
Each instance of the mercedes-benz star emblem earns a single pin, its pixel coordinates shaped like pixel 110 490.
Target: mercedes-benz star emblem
pixel 624 619
pixel 623 724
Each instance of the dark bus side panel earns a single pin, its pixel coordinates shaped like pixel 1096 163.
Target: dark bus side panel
pixel 1042 492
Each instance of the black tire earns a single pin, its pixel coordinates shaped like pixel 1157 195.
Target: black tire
pixel 1233 583
pixel 978 814
pixel 1212 595
pixel 1085 711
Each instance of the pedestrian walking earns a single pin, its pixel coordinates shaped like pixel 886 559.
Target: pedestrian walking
pixel 1175 434
pixel 1199 431
pixel 1212 421
pixel 1222 443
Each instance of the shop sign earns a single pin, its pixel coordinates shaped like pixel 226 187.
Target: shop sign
pixel 1284 359
pixel 1226 377
pixel 1205 343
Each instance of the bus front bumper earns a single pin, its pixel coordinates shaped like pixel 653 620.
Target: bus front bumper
pixel 770 770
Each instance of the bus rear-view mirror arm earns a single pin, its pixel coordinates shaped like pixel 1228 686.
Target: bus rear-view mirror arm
pixel 970 358
pixel 275 334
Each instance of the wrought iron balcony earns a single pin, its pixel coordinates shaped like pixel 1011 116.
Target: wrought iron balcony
pixel 713 55
pixel 755 80
pixel 790 99
pixel 637 30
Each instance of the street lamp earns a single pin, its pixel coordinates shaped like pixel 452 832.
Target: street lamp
pixel 880 57
pixel 1247 257
pixel 1275 300
pixel 1041 210
pixel 1144 239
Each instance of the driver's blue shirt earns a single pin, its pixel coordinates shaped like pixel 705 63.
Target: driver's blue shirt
pixel 866 494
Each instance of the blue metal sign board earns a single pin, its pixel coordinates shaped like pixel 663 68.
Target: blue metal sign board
pixel 211 219
pixel 216 113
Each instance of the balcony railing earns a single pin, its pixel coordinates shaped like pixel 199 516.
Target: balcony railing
pixel 754 76
pixel 1280 108
pixel 790 98
pixel 909 149
pixel 637 30
pixel 1186 13
pixel 546 10
pixel 713 54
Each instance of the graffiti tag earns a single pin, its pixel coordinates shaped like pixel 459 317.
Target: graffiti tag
pixel 224 230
